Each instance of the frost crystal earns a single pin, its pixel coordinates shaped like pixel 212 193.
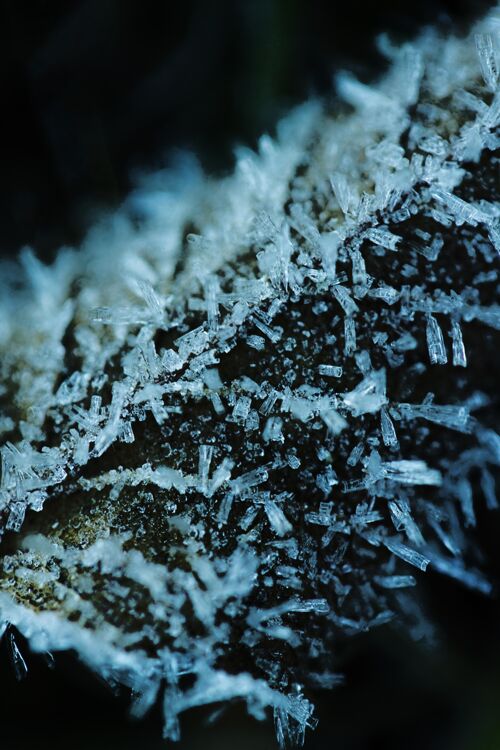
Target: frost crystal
pixel 435 342
pixel 487 59
pixel 238 449
pixel 459 357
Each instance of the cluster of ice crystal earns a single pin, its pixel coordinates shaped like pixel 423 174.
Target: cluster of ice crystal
pixel 242 409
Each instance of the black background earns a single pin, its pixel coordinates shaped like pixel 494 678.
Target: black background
pixel 94 91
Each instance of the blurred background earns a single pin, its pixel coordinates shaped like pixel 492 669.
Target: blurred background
pixel 95 91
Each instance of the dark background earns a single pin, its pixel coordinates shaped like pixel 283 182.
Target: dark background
pixel 93 91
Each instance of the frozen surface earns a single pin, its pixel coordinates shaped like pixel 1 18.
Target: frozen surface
pixel 213 472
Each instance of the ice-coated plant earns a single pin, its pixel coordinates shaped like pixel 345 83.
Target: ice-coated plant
pixel 241 417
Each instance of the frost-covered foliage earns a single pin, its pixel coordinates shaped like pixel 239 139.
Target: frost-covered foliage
pixel 243 409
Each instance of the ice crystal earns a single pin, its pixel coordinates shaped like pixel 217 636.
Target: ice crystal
pixel 214 470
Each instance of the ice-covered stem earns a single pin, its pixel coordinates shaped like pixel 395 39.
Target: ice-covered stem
pixel 238 456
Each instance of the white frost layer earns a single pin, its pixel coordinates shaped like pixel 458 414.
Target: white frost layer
pixel 121 287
